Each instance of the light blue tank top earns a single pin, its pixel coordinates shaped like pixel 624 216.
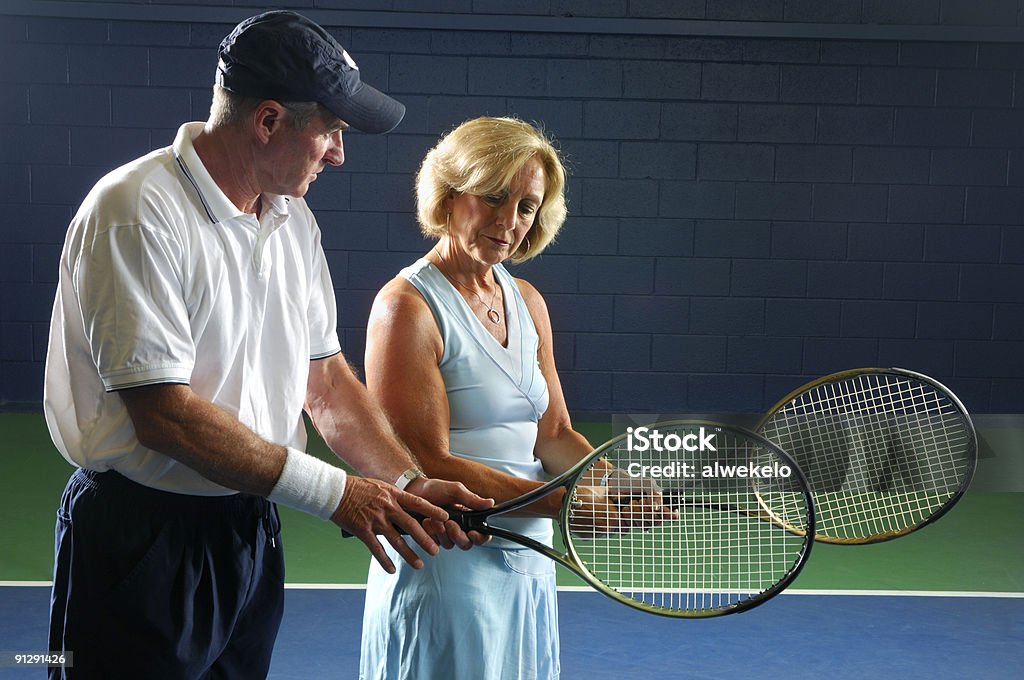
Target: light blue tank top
pixel 496 394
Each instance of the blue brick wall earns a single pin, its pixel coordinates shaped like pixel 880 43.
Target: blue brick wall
pixel 745 213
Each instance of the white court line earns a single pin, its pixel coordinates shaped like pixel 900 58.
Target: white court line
pixel 586 589
pixel 872 593
pixel 907 593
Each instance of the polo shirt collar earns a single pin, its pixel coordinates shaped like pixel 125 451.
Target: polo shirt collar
pixel 275 203
pixel 218 206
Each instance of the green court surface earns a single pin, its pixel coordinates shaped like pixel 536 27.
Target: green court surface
pixel 976 547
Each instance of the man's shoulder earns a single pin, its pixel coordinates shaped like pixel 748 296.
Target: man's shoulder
pixel 126 194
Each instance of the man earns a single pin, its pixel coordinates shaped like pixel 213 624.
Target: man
pixel 193 323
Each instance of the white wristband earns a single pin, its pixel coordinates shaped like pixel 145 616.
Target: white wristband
pixel 309 484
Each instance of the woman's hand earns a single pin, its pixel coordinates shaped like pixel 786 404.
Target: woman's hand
pixel 619 503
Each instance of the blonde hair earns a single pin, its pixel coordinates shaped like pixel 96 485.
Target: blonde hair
pixel 481 157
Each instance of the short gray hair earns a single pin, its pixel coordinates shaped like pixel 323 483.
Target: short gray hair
pixel 229 108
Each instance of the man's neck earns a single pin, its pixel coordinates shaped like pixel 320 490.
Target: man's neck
pixel 229 160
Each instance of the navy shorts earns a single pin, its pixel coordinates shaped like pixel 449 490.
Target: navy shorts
pixel 151 584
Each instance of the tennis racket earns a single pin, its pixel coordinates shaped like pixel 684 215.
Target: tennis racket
pixel 886 451
pixel 734 527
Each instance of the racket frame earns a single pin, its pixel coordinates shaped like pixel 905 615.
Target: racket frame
pixel 839 376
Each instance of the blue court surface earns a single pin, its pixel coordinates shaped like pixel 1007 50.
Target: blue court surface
pixel 796 635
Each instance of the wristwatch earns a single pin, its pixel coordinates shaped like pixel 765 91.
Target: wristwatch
pixel 408 477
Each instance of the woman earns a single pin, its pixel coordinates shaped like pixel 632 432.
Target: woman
pixel 459 353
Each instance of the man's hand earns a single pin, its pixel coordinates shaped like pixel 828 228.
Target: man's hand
pixel 370 507
pixel 450 495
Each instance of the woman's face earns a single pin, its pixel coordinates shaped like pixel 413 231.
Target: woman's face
pixel 490 228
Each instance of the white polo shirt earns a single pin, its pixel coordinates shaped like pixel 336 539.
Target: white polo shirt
pixel 163 280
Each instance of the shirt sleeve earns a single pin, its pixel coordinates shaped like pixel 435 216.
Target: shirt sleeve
pixel 322 311
pixel 128 282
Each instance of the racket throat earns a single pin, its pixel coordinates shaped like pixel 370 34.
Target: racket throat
pixel 470 521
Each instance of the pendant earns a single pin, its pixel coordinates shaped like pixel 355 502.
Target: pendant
pixel 493 316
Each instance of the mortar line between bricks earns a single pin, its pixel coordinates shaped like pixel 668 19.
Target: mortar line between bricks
pixel 525 23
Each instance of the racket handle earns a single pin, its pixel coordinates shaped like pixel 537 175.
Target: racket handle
pixel 460 518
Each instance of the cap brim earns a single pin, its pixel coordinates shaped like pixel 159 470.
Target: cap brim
pixel 368 110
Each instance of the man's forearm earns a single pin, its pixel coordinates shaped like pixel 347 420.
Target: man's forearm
pixel 174 421
pixel 352 424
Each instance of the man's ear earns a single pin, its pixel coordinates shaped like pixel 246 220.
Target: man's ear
pixel 267 119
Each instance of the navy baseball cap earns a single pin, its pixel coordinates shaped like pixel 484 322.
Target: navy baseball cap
pixel 284 56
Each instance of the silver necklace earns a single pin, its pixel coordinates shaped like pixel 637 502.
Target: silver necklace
pixel 492 313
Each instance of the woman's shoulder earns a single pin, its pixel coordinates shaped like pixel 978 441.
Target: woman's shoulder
pixel 535 305
pixel 401 321
pixel 530 294
pixel 400 296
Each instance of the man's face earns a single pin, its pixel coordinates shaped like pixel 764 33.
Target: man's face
pixel 297 156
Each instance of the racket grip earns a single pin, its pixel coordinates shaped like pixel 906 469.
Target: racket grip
pixel 457 515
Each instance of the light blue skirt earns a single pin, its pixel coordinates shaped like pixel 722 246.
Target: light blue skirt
pixel 485 614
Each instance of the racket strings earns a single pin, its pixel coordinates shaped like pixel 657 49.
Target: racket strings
pixel 881 452
pixel 720 549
